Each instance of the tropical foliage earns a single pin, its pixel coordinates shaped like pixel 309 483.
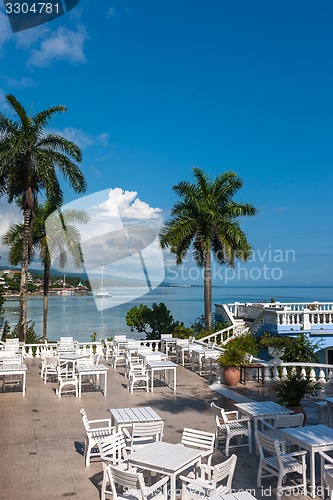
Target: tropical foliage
pixel 292 389
pixel 63 238
pixel 233 355
pixel 29 162
pixel 206 219
pixel 152 321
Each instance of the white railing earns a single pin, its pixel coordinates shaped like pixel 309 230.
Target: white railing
pixel 223 336
pixel 320 372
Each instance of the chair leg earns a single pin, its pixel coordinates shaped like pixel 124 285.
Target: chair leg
pixel 227 443
pixel 259 475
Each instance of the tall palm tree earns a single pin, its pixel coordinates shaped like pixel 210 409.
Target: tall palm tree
pixel 29 161
pixel 59 242
pixel 207 218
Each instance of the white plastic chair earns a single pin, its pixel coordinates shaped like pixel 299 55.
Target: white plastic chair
pixel 144 433
pixel 94 434
pixel 49 367
pixel 113 450
pixel 67 377
pixel 216 480
pixel 281 422
pixel 279 464
pixel 202 440
pixel 326 473
pixel 228 426
pixel 132 485
pixel 138 376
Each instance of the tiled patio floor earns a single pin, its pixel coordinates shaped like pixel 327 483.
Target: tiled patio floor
pixel 42 436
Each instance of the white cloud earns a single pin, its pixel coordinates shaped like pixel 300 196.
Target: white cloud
pixel 80 137
pixel 111 12
pixel 4 106
pixel 28 38
pixel 129 206
pixel 5 30
pixel 19 83
pixel 63 44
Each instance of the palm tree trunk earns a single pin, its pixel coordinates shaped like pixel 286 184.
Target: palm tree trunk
pixel 22 324
pixel 46 297
pixel 208 291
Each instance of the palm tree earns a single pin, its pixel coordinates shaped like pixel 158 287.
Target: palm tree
pixel 207 219
pixel 57 242
pixel 29 161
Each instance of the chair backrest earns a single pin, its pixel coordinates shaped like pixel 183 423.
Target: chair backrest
pixel 198 439
pixel 119 337
pixel 65 369
pixel 267 446
pixel 113 448
pixel 293 420
pixel 146 432
pixel 227 417
pixel 127 479
pixel 217 410
pixel 66 340
pixel 85 419
pixel 224 470
pixel 165 336
pixel 137 369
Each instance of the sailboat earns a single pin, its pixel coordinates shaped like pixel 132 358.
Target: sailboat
pixel 65 292
pixel 102 294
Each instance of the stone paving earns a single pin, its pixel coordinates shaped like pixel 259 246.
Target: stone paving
pixel 42 436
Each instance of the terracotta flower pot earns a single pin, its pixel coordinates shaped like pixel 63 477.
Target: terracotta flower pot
pixel 231 375
pixel 298 409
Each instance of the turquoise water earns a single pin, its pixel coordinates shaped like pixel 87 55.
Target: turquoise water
pixel 78 316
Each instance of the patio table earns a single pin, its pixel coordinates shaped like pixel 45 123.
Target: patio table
pixel 13 369
pixel 237 495
pixel 181 349
pixel 313 438
pixel 95 370
pixel 257 411
pixel 198 353
pixel 125 417
pixel 166 366
pixel 165 458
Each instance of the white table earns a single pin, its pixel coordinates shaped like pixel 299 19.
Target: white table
pixel 125 417
pixel 166 366
pixel 182 347
pixel 19 369
pixel 257 411
pixel 237 495
pixel 165 458
pixel 313 438
pixel 95 370
pixel 198 353
pixel 260 410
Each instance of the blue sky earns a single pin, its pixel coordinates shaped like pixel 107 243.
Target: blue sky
pixel 155 88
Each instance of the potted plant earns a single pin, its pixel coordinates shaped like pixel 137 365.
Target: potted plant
pixel 290 391
pixel 232 357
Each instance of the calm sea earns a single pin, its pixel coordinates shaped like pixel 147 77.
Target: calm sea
pixel 78 316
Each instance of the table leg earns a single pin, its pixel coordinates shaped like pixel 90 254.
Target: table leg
pixel 23 383
pixel 105 383
pixel 80 382
pixel 174 380
pixel 312 475
pixel 173 487
pixel 152 380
